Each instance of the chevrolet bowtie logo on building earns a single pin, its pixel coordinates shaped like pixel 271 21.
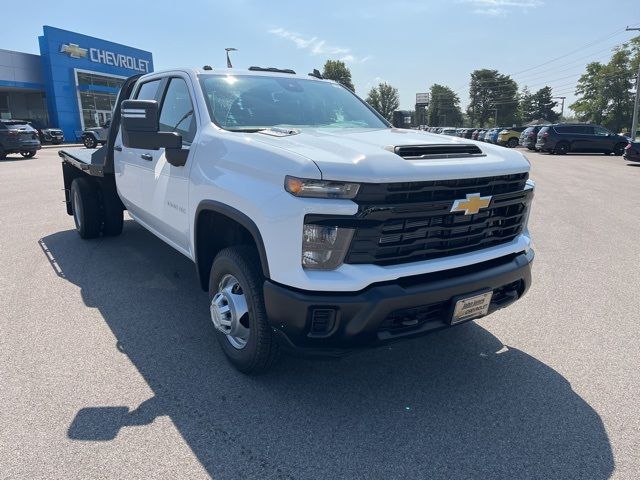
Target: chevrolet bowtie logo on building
pixel 73 50
pixel 472 204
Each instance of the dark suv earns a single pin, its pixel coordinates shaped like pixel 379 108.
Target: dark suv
pixel 563 138
pixel 17 136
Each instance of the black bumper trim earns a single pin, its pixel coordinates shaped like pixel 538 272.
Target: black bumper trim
pixel 360 314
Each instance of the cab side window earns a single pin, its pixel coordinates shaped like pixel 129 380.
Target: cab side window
pixel 603 132
pixel 148 90
pixel 176 113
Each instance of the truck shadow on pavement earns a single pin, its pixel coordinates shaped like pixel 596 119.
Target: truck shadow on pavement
pixel 456 404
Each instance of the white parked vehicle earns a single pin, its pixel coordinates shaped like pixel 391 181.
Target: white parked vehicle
pixel 314 226
pixel 452 132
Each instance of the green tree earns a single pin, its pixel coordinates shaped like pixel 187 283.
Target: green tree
pixel 385 99
pixel 604 90
pixel 444 107
pixel 526 107
pixel 338 71
pixel 489 90
pixel 543 105
pixel 590 107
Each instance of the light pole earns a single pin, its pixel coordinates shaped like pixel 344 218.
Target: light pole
pixel 636 104
pixel 562 107
pixel 230 49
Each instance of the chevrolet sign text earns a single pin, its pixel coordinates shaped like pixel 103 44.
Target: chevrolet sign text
pixel 118 60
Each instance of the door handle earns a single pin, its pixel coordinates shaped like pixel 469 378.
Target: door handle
pixel 146 156
pixel 117 148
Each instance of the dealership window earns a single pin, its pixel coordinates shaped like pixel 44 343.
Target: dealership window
pixel 97 94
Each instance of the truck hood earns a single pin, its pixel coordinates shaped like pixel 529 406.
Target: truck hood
pixel 366 155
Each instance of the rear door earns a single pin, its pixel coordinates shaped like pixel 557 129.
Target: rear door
pixel 602 139
pixel 130 164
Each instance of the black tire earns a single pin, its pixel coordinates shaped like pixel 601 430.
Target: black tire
pixel 618 150
pixel 3 155
pixel 513 142
pixel 562 148
pixel 56 142
pixel 28 154
pixel 112 214
pixel 87 214
pixel 261 349
pixel 90 141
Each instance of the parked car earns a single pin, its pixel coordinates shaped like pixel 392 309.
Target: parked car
pixel 94 136
pixel 299 247
pixel 529 136
pixel 17 136
pixel 632 152
pixel 468 133
pixel 481 134
pixel 51 135
pixel 492 135
pixel 452 132
pixel 564 138
pixel 510 136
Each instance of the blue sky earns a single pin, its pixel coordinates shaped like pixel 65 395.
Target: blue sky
pixel 410 44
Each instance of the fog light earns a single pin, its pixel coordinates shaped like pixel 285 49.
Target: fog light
pixel 324 247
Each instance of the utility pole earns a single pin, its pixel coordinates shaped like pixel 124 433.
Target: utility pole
pixel 562 107
pixel 634 122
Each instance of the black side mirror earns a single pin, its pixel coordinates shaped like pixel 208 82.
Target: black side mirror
pixel 140 127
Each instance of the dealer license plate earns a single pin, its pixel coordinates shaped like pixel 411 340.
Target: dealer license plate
pixel 471 307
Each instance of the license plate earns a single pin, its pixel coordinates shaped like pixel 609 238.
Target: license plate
pixel 471 307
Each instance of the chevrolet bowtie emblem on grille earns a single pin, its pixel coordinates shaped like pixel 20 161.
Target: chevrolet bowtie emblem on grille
pixel 73 50
pixel 472 204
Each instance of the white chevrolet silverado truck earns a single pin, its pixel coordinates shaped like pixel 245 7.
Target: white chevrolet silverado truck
pixel 314 225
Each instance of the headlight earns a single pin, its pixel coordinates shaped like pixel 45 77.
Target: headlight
pixel 324 247
pixel 305 187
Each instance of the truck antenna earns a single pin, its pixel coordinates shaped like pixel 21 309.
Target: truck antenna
pixel 230 49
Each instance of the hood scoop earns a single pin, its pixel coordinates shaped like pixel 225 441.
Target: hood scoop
pixel 279 132
pixel 427 152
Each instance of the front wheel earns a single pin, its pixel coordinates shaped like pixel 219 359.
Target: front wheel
pixel 89 141
pixel 238 312
pixel 512 143
pixel 28 154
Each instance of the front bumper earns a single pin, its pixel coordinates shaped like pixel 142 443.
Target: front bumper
pixel 333 323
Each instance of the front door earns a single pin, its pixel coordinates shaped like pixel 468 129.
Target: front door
pixel 165 187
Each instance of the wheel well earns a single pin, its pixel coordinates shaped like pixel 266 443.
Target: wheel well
pixel 215 231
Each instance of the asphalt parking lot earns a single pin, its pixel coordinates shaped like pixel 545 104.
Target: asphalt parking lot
pixel 109 367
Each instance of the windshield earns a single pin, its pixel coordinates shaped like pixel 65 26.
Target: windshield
pixel 251 103
pixel 17 125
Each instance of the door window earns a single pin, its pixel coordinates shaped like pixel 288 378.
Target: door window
pixel 148 90
pixel 176 114
pixel 600 131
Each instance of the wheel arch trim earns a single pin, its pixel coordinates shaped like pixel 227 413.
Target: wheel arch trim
pixel 238 217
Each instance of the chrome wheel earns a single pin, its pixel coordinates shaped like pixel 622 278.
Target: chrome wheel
pixel 230 313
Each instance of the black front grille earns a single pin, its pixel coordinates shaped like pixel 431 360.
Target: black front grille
pixel 406 230
pixel 433 191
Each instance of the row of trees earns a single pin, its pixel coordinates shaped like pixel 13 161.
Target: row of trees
pixel 604 90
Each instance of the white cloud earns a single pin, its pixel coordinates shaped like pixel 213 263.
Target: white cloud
pixel 317 46
pixel 497 8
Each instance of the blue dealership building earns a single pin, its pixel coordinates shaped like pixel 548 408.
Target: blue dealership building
pixel 72 84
